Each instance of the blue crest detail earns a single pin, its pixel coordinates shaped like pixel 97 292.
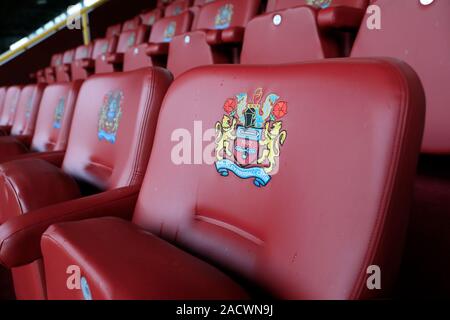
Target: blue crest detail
pixel 110 115
pixel 85 289
pixel 169 33
pixel 224 17
pixel 260 176
pixel 59 113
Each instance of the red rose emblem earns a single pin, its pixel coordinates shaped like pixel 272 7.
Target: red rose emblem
pixel 280 109
pixel 230 105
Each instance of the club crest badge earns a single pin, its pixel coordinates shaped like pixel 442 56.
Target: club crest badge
pixel 110 115
pixel 131 39
pixel 224 17
pixel 250 136
pixel 29 108
pixel 177 10
pixel 105 47
pixel 322 4
pixel 59 113
pixel 170 31
pixel 151 20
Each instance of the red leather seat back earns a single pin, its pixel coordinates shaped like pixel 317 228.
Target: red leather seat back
pixel 56 60
pixel 82 54
pixel 274 5
pixel 104 46
pixel 55 117
pixel 113 31
pixel 292 35
pixel 177 8
pixel 27 110
pixel 337 160
pixel 163 3
pixel 131 38
pixel 149 18
pixel 63 71
pixel 426 47
pixel 113 126
pixel 10 106
pixel 165 29
pixel 131 24
pixel 241 13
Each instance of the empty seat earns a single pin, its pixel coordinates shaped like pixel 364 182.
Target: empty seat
pixel 53 123
pixel 108 150
pixel 2 98
pixel 219 31
pixel 9 109
pixel 50 72
pixel 177 7
pixel 114 61
pixel 291 35
pixel 264 191
pixel 426 47
pixel 155 51
pixel 83 66
pixel 63 71
pixel 131 24
pixel 150 17
pixel 113 31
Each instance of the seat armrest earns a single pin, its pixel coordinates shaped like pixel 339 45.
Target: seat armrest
pixel 115 58
pixel 25 140
pixel 54 157
pixel 5 130
pixel 20 236
pixel 157 49
pixel 11 147
pixel 233 35
pixel 86 63
pixel 149 267
pixel 213 37
pixel 342 17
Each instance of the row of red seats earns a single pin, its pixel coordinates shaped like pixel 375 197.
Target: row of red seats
pixel 267 241
pixel 211 34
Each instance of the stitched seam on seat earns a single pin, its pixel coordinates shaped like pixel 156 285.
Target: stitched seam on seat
pixel 386 200
pixel 145 123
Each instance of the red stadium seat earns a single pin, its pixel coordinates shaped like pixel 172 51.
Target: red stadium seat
pixel 163 3
pixel 257 222
pixel 63 71
pixel 50 72
pixel 150 17
pixel 9 109
pixel 155 51
pixel 219 31
pixel 52 127
pixel 202 2
pixel 131 24
pixel 114 61
pixel 425 45
pixel 113 31
pixel 107 153
pixel 2 98
pixel 82 66
pixel 177 8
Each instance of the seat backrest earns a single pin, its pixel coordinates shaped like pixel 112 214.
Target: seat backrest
pixel 165 29
pixel 150 17
pixel 131 24
pixel 131 38
pixel 267 185
pixel 113 31
pixel 222 14
pixel 55 116
pixel 83 52
pixel 426 47
pixel 177 7
pixel 274 5
pixel 10 106
pixel 27 110
pixel 292 35
pixel 104 46
pixel 68 56
pixel 113 125
pixel 56 60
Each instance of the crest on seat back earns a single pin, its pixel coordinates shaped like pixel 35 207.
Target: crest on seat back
pixel 224 16
pixel 59 113
pixel 249 137
pixel 322 4
pixel 169 33
pixel 110 115
pixel 131 39
pixel 29 108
